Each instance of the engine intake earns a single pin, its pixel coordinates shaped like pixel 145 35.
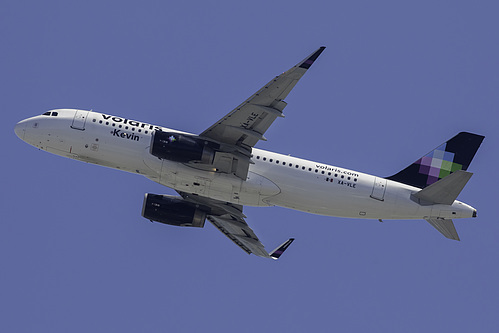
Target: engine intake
pixel 173 210
pixel 182 148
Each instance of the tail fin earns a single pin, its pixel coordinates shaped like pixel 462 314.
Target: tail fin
pixel 455 154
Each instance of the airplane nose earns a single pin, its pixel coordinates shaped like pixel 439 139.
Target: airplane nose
pixel 20 129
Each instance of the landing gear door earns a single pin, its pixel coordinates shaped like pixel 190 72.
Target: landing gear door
pixel 379 189
pixel 79 120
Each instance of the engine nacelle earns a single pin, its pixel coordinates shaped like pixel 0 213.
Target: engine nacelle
pixel 181 147
pixel 169 209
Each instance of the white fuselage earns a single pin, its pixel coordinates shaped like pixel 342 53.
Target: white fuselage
pixel 273 179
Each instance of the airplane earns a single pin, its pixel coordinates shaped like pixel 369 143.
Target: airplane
pixel 219 171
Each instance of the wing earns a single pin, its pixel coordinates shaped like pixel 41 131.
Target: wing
pixel 244 126
pixel 229 219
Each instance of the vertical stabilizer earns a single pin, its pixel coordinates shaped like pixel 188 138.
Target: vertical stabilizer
pixel 456 154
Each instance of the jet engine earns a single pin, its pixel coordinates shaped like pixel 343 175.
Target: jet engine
pixel 182 148
pixel 173 210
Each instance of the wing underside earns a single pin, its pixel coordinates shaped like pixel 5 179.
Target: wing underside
pixel 243 127
pixel 230 220
pixel 246 124
pixel 240 233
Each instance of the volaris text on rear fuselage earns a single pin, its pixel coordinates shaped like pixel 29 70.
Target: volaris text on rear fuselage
pixel 219 171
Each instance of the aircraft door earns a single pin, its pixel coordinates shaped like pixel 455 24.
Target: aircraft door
pixel 79 120
pixel 379 189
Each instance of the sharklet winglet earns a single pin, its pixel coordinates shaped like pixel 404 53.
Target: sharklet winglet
pixel 310 60
pixel 280 249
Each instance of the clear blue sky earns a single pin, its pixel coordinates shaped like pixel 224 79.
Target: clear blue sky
pixel 396 80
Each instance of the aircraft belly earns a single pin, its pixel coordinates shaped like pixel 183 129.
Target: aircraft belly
pixel 315 195
pixel 219 186
pixel 336 199
pixel 256 189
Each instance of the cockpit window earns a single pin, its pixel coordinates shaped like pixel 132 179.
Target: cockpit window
pixel 53 114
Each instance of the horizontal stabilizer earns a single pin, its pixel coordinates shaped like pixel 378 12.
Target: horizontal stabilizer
pixel 280 250
pixel 445 191
pixel 445 227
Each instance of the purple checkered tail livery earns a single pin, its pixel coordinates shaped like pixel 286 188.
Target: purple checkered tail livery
pixel 455 154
